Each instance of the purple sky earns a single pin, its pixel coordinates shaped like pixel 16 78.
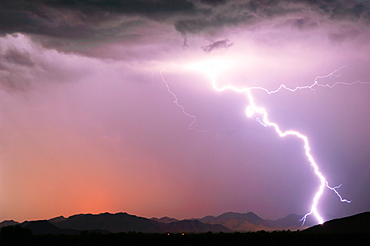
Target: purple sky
pixel 87 123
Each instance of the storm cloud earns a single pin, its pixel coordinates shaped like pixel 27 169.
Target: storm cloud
pixel 70 22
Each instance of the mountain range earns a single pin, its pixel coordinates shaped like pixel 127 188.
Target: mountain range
pixel 227 222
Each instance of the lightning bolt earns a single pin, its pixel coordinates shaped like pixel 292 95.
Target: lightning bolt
pixel 261 115
pixel 315 83
pixel 176 102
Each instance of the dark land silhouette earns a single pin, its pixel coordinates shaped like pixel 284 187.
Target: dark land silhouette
pixel 124 222
pixel 125 229
pixel 359 223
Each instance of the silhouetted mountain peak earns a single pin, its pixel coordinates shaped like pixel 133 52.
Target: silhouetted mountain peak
pixel 250 217
pixel 8 223
pixel 165 220
pixel 57 219
pixel 207 218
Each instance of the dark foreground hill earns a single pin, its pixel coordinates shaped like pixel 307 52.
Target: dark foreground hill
pixel 16 235
pixel 44 227
pixel 359 223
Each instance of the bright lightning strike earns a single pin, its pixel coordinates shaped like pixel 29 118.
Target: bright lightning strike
pixel 211 69
pixel 259 113
pixel 176 102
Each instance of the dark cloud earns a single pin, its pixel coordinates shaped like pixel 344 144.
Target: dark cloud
pixel 124 6
pixel 302 23
pixel 234 13
pixel 65 24
pixel 262 5
pixel 18 57
pixel 14 61
pixel 83 26
pixel 342 9
pixel 231 14
pixel 194 26
pixel 81 19
pixel 213 2
pixel 225 43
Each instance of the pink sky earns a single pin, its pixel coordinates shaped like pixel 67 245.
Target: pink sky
pixel 87 124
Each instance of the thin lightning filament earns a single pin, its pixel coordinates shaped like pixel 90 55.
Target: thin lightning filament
pixel 261 115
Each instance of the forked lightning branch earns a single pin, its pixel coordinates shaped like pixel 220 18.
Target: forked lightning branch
pixel 261 115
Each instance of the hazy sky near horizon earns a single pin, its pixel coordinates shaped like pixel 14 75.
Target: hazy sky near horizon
pixel 88 124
